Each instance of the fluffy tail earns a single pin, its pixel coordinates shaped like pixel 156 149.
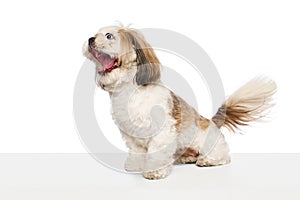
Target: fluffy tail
pixel 249 103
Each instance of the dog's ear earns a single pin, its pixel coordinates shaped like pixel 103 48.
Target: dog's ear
pixel 148 65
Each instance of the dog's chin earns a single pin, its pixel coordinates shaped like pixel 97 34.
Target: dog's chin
pixel 105 63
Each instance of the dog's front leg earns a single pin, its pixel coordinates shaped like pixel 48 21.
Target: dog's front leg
pixel 159 159
pixel 136 158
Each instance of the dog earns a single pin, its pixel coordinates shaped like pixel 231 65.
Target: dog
pixel 159 127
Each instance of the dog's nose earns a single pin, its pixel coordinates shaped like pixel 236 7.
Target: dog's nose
pixel 91 41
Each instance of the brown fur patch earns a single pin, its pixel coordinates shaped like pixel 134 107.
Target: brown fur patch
pixel 176 111
pixel 185 115
pixel 190 152
pixel 203 123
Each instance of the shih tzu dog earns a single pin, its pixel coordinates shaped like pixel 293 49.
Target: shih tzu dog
pixel 159 127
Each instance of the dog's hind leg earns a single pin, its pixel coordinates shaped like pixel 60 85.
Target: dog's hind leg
pixel 216 152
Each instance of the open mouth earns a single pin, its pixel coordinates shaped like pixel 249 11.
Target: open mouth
pixel 108 63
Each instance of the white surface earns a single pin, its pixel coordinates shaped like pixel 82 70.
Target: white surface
pixel 40 47
pixel 78 176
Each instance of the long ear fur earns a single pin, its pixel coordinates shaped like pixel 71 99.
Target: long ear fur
pixel 148 65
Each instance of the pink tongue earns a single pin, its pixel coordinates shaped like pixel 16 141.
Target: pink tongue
pixel 107 64
pixel 106 61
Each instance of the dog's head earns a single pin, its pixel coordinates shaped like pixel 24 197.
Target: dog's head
pixel 121 54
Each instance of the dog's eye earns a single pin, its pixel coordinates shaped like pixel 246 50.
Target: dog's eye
pixel 109 36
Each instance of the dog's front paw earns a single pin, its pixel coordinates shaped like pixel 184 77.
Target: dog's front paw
pixel 158 174
pixel 133 165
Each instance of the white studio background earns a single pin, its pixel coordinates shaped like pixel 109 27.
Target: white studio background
pixel 41 56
